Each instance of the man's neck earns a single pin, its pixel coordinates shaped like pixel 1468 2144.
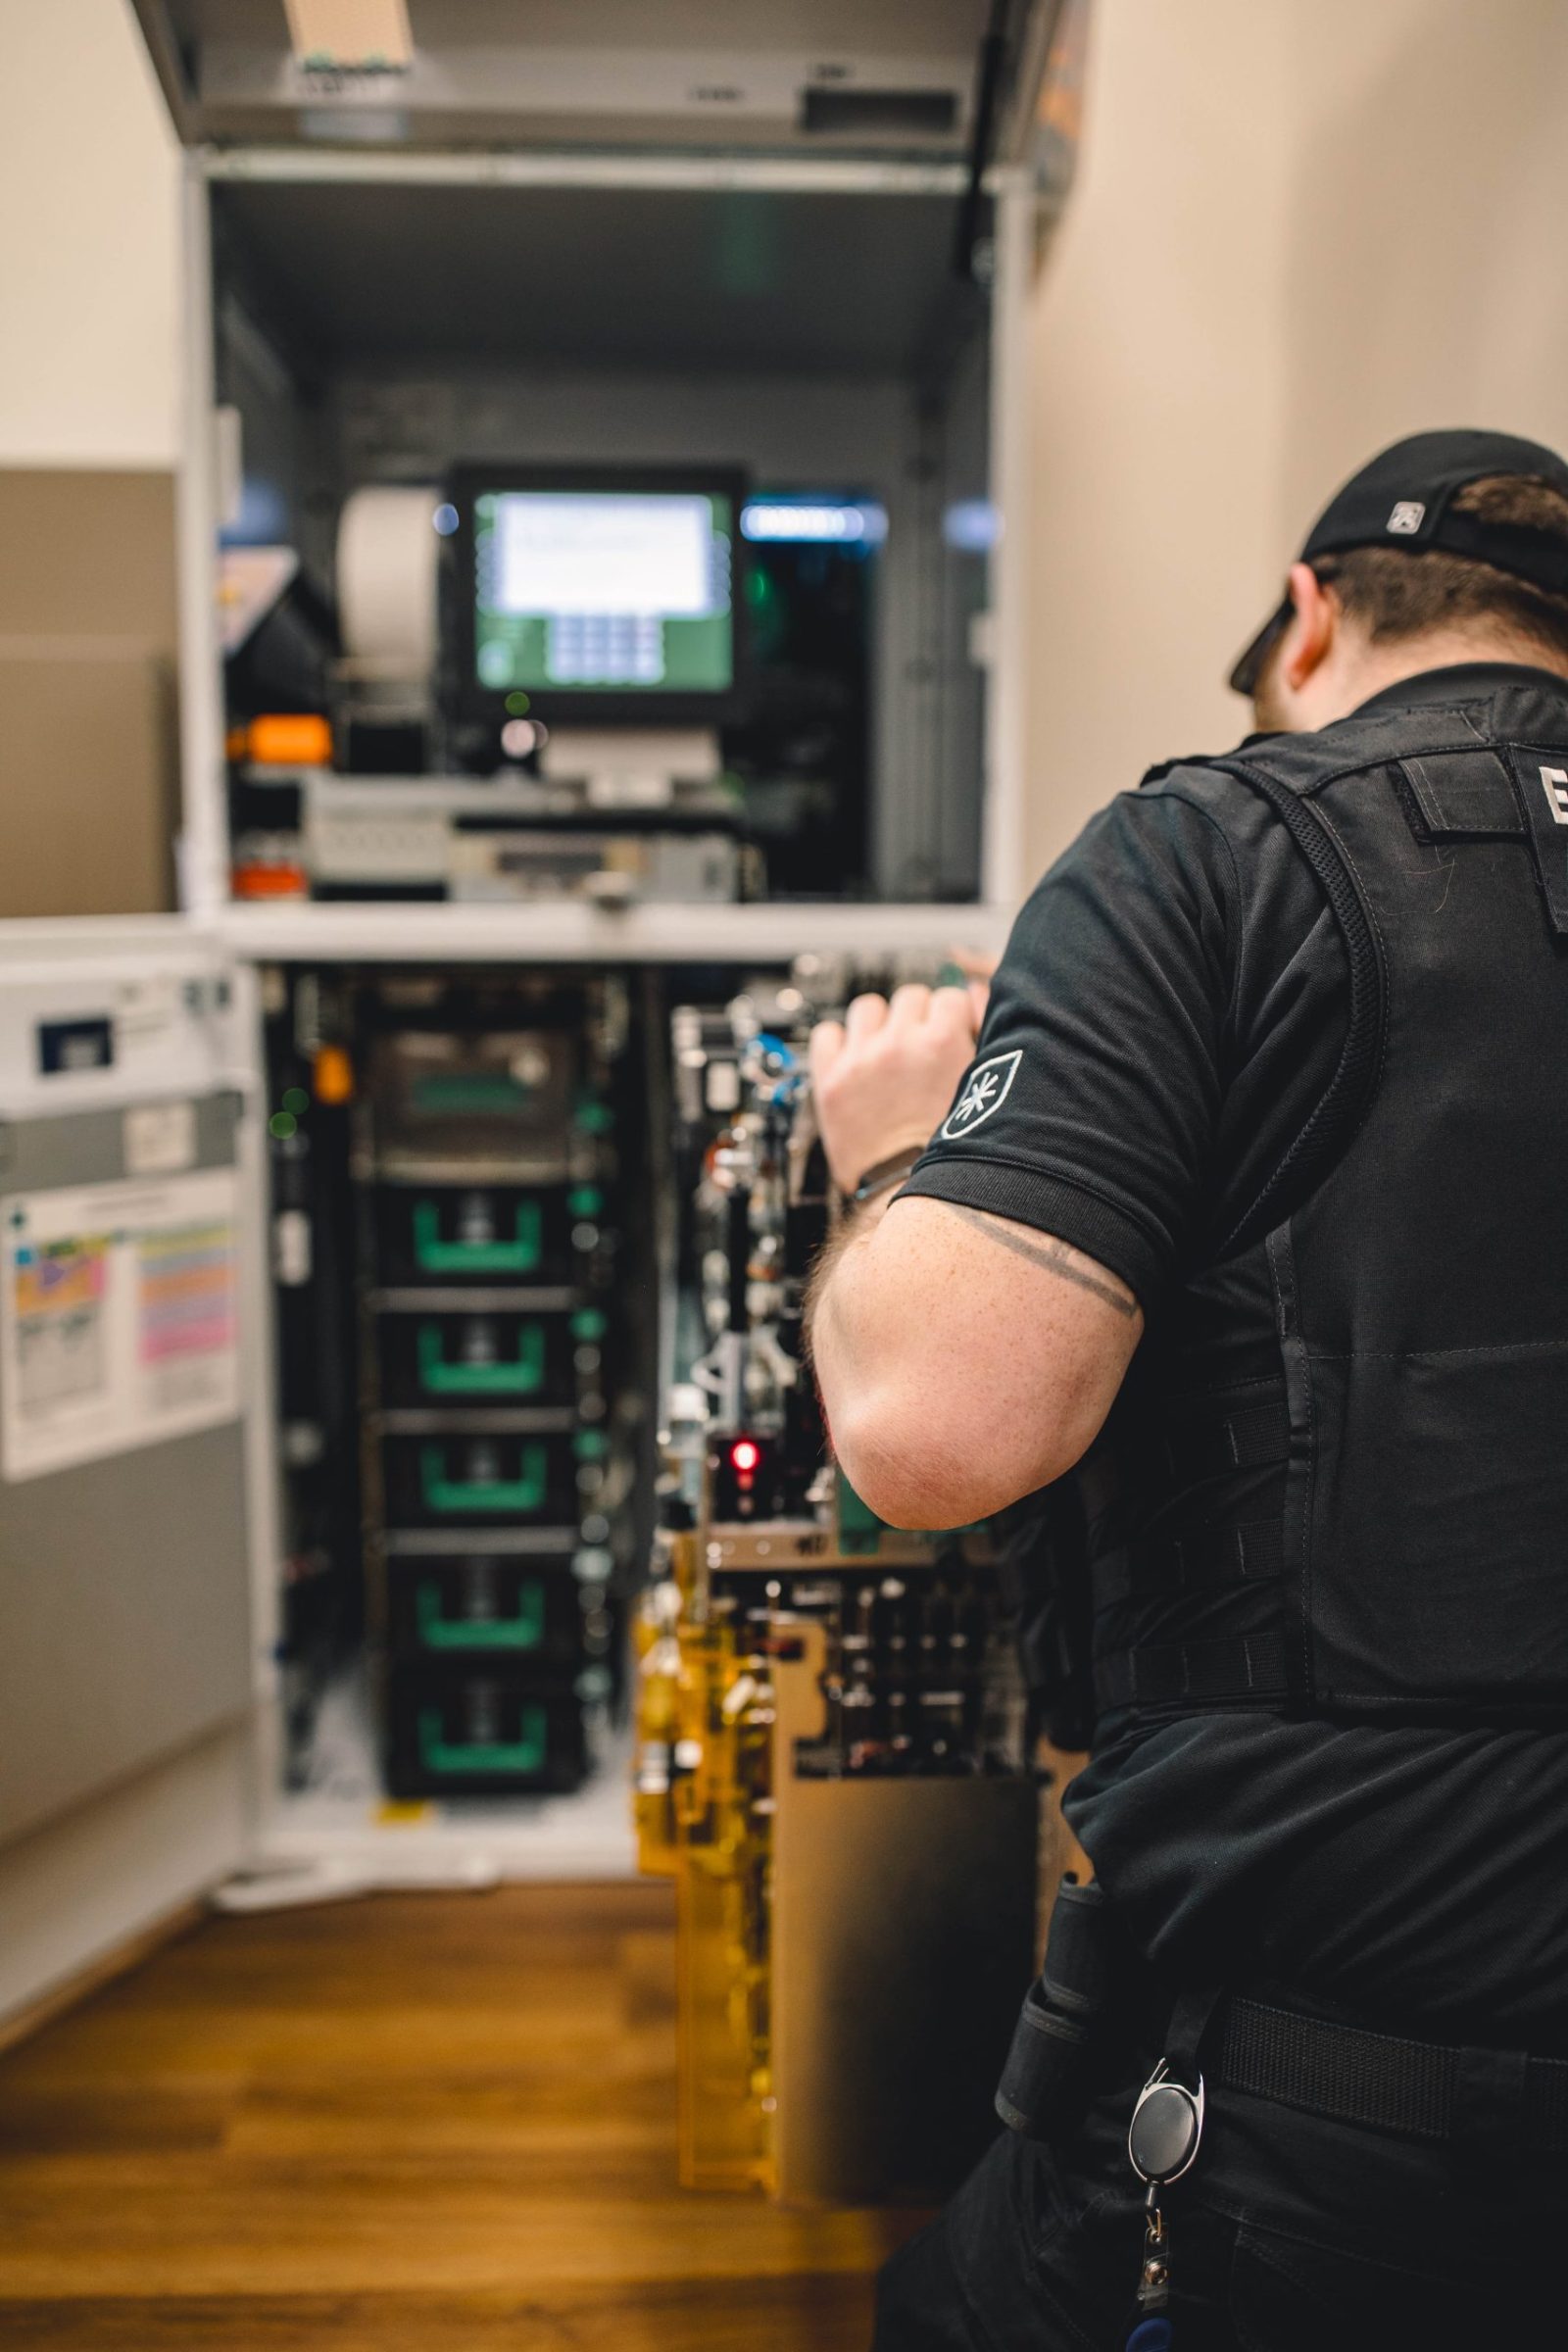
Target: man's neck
pixel 1374 668
pixel 1385 666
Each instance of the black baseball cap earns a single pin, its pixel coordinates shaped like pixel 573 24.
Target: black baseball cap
pixel 1402 500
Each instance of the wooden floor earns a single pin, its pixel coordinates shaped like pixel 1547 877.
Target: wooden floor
pixel 413 2124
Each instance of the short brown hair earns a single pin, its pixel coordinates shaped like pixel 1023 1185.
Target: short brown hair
pixel 1396 592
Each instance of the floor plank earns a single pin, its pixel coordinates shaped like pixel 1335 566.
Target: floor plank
pixel 438 2122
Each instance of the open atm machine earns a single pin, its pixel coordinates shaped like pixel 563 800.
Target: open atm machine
pixel 602 585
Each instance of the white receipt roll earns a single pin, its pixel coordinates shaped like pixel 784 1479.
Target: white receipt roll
pixel 386 580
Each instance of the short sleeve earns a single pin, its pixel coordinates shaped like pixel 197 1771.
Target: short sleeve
pixel 1092 1110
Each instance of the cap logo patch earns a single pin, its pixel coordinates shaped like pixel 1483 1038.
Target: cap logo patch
pixel 1407 518
pixel 985 1090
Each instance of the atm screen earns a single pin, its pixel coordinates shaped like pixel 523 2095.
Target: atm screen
pixel 618 592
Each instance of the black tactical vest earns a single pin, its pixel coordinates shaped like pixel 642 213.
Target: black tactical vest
pixel 1336 1482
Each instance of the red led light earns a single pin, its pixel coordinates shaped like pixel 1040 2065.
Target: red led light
pixel 744 1455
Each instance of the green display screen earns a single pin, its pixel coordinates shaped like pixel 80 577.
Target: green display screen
pixel 604 592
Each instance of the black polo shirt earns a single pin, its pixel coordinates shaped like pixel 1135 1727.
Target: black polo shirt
pixel 1169 1013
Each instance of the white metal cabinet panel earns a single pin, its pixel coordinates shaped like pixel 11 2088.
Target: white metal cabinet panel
pixel 75 1889
pixel 571 931
pixel 716 73
pixel 127 1625
pixel 124 1621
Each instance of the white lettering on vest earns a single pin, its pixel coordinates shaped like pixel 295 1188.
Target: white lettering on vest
pixel 1555 784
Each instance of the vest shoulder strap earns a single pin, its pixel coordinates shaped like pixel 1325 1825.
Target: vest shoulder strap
pixel 1288 784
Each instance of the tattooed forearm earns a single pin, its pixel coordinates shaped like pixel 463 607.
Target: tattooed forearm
pixel 1054 1256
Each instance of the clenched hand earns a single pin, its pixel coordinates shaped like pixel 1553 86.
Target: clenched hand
pixel 886 1076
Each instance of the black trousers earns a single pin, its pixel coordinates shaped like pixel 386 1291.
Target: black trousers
pixel 1291 2233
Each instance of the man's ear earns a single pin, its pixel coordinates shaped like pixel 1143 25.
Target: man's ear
pixel 1314 626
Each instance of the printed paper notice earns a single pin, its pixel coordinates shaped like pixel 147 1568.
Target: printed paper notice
pixel 119 1318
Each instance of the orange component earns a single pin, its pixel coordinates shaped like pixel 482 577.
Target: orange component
pixel 332 1078
pixel 273 879
pixel 291 739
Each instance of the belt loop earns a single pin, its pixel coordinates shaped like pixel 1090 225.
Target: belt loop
pixel 1488 2105
pixel 1189 2023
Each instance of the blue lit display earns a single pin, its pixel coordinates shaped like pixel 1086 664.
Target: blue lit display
pixel 972 525
pixel 864 522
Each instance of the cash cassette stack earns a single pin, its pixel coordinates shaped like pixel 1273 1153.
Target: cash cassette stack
pixel 500 1440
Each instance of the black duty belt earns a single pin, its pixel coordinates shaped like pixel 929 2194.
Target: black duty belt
pixel 1427 2089
pixel 1068 2034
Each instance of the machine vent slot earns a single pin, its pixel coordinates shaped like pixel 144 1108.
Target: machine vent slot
pixel 920 114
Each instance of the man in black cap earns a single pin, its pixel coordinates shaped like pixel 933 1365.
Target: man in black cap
pixel 1242 1229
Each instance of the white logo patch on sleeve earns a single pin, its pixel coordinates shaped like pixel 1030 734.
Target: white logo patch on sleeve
pixel 985 1090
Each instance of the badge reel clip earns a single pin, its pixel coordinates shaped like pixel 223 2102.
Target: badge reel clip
pixel 1163 2141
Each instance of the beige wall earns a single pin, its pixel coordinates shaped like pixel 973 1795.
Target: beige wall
pixel 1300 228
pixel 1427 226
pixel 89 225
pixel 1159 358
pixel 89 229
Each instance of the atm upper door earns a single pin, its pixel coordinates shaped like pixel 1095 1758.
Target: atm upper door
pixel 131 1355
pixel 904 78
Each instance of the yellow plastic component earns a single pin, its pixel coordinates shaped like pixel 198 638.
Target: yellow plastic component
pixel 702 1818
pixel 725 1695
pixel 722 1812
pixel 657 1667
pixel 290 739
pixel 332 1079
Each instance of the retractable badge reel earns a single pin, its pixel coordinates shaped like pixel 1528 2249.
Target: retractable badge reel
pixel 1162 2142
